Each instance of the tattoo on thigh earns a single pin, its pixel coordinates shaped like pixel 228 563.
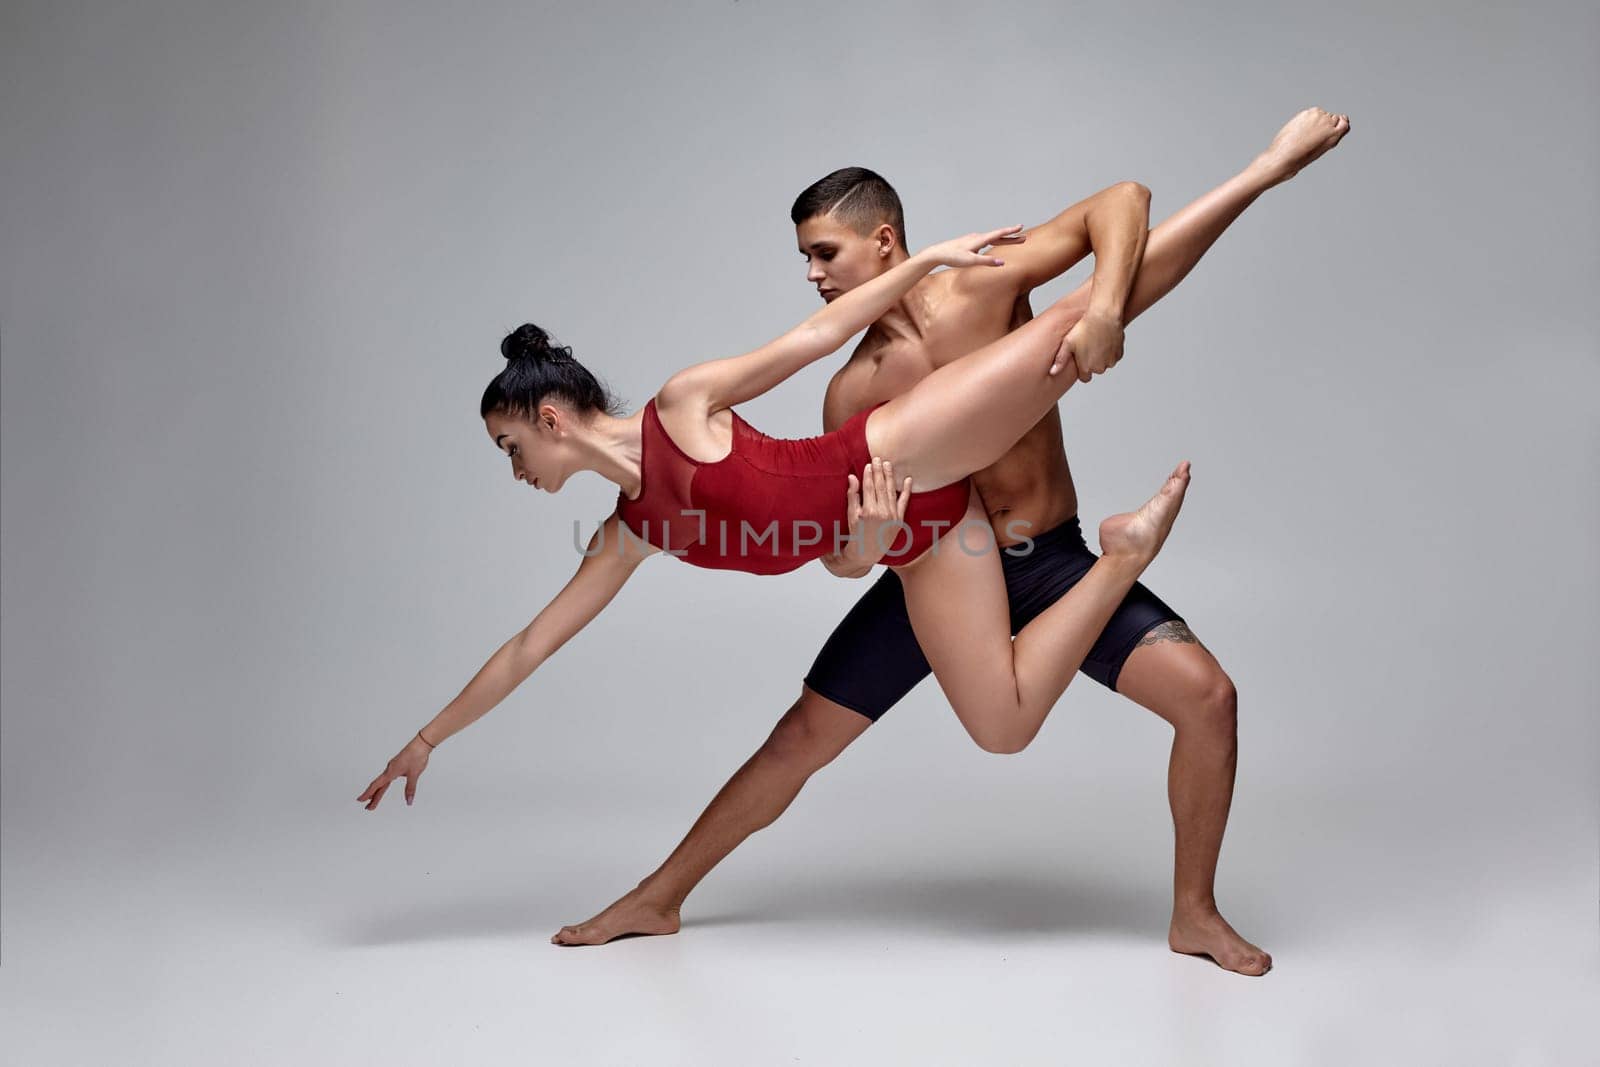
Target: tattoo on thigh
pixel 1170 631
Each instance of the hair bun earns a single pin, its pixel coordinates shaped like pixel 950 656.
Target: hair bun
pixel 530 342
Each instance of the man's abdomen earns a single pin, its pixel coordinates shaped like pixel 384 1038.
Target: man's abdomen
pixel 1029 489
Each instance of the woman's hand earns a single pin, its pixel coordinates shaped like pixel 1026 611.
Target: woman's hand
pixel 964 251
pixel 409 764
pixel 876 513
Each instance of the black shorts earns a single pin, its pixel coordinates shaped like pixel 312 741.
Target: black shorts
pixel 872 658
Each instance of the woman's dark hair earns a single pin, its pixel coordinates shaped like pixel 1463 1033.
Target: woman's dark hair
pixel 537 369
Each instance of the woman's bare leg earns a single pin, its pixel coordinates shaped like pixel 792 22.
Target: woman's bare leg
pixel 995 395
pixel 967 414
pixel 1182 238
pixel 1001 689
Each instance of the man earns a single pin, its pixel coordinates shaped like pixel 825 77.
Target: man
pixel 850 228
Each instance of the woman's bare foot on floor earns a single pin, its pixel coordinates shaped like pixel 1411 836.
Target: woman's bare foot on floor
pixel 1140 534
pixel 633 914
pixel 1204 932
pixel 1302 139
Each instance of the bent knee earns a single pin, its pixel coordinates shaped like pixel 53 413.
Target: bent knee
pixel 1004 746
pixel 1133 190
pixel 802 741
pixel 1218 706
pixel 1003 742
pixel 792 740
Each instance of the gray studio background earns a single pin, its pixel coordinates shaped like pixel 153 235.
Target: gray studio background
pixel 256 263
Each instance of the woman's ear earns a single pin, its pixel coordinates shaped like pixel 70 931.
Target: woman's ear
pixel 549 416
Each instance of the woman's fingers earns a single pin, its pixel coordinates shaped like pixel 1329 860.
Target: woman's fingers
pixel 994 236
pixel 374 788
pixel 377 796
pixel 411 786
pixel 905 498
pixel 852 497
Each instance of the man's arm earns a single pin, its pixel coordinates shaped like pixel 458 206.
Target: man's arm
pixel 1117 230
pixel 1056 246
pixel 1113 224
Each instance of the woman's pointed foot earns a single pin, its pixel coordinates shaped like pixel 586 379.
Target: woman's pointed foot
pixel 1139 535
pixel 1302 140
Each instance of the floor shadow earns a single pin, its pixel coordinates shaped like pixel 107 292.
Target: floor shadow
pixel 956 905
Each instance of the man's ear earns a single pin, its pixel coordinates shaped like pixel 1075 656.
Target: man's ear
pixel 883 237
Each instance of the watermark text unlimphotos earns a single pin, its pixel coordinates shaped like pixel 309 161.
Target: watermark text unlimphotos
pixel 804 534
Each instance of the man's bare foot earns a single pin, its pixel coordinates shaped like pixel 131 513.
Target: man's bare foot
pixel 1140 534
pixel 1204 932
pixel 1302 139
pixel 633 914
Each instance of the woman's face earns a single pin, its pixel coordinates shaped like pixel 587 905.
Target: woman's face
pixel 540 449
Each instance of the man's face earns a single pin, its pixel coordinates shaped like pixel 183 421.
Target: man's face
pixel 838 258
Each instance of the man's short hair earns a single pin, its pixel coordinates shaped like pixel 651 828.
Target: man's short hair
pixel 858 197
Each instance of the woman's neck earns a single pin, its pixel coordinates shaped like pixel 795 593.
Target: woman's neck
pixel 612 448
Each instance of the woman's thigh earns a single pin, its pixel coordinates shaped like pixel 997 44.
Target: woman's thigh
pixel 968 413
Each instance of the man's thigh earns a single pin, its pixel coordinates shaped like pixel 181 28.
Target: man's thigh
pixel 1172 674
pixel 872 658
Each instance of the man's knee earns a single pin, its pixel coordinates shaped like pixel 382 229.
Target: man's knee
pixel 1218 710
pixel 812 732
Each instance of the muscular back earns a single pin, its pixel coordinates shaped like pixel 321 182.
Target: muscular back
pixel 951 314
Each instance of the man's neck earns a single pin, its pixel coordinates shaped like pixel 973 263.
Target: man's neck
pixel 899 322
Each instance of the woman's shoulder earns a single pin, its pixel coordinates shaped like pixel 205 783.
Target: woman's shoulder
pixel 694 431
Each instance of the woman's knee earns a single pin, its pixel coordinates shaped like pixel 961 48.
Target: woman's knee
pixel 1003 744
pixel 1003 739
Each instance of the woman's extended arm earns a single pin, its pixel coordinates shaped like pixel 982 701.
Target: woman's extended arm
pixel 722 383
pixel 612 557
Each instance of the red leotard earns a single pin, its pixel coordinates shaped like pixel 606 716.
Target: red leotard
pixel 771 504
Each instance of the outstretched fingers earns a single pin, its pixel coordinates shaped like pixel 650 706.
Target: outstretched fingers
pixel 375 791
pixel 1006 235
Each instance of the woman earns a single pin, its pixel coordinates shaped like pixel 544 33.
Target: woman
pixel 697 481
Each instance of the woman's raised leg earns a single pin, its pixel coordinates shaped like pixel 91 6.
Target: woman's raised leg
pixel 996 394
pixel 1001 689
